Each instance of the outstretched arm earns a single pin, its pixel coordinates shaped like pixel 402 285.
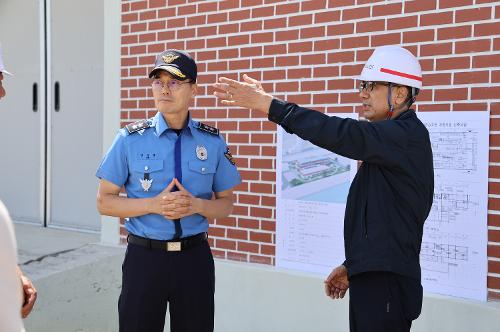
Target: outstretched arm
pixel 379 143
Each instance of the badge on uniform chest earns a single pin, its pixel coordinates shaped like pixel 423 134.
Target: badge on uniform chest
pixel 201 152
pixel 146 181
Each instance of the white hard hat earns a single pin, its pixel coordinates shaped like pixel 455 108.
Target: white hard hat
pixel 393 64
pixel 2 67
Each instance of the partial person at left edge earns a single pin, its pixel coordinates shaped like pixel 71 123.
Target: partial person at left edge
pixel 177 173
pixel 16 290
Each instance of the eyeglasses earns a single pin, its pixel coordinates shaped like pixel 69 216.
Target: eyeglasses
pixel 172 85
pixel 368 86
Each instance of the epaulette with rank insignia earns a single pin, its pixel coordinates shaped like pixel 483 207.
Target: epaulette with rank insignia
pixel 137 126
pixel 208 129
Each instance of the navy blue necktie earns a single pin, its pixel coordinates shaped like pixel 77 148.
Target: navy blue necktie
pixel 178 175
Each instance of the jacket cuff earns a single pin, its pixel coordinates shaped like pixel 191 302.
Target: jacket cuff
pixel 277 111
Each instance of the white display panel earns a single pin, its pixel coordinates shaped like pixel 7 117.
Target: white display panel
pixel 312 185
pixel 453 255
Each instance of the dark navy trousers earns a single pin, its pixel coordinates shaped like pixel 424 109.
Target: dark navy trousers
pixel 383 302
pixel 154 279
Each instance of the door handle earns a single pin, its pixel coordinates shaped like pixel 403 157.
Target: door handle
pixel 57 93
pixel 35 97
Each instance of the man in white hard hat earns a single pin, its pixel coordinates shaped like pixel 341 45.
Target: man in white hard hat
pixel 391 195
pixel 17 292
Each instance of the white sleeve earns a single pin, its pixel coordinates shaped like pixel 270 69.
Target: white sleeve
pixel 10 283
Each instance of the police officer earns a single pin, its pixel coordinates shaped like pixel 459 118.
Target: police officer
pixel 391 195
pixel 170 166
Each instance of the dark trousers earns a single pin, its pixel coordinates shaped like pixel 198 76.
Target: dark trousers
pixel 155 278
pixel 383 302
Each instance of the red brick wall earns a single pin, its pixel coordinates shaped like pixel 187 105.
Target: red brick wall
pixel 308 52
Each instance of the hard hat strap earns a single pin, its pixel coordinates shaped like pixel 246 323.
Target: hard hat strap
pixel 389 97
pixel 413 97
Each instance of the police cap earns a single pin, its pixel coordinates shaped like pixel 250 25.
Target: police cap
pixel 178 63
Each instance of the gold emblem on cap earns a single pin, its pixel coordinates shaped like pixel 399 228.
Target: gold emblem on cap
pixel 169 57
pixel 176 72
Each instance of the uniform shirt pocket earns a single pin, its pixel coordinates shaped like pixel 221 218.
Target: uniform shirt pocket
pixel 146 166
pixel 201 167
pixel 201 174
pixel 153 169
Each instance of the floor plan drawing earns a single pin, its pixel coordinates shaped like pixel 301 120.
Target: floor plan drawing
pixel 453 203
pixel 453 253
pixel 455 149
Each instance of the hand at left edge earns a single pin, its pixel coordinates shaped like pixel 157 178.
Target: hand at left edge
pixel 29 293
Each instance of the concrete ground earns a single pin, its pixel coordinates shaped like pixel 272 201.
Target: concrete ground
pixel 78 280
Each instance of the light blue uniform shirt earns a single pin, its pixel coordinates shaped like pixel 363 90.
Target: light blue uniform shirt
pixel 151 151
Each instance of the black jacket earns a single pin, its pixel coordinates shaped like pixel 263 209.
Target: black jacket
pixel 392 193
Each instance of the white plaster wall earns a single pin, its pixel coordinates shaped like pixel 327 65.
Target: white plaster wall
pixel 110 226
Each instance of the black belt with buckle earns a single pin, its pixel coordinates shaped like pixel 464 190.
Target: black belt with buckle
pixel 169 245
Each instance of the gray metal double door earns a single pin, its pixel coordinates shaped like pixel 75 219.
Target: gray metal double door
pixel 51 117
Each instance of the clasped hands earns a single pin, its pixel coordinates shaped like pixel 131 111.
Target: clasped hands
pixel 176 204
